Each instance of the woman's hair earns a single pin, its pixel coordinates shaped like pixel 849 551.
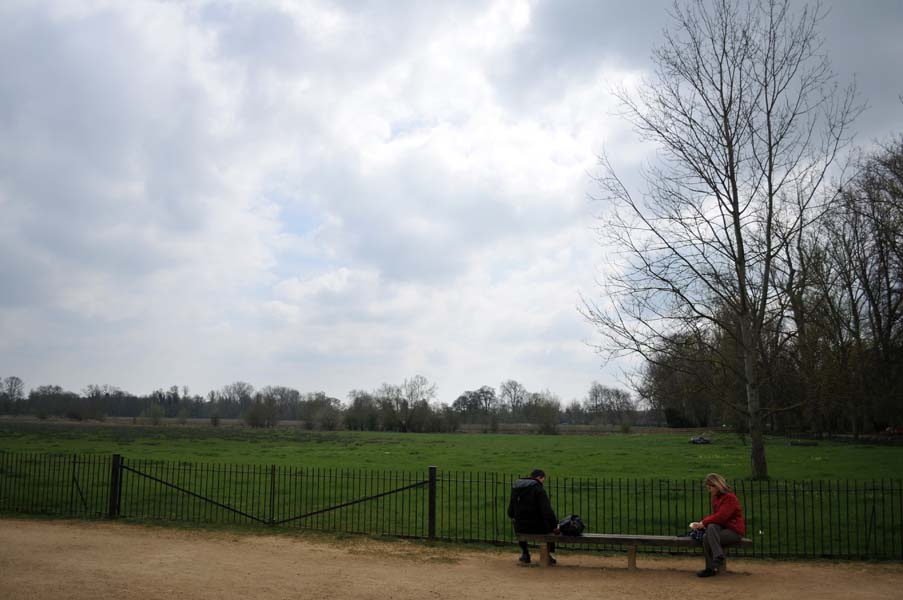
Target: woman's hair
pixel 718 482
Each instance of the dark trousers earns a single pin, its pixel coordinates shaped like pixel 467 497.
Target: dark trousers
pixel 713 542
pixel 531 529
pixel 526 549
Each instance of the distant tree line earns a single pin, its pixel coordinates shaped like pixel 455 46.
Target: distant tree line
pixel 410 406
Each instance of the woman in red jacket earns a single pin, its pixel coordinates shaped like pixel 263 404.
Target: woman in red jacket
pixel 723 527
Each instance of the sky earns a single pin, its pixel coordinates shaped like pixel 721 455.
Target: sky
pixel 329 195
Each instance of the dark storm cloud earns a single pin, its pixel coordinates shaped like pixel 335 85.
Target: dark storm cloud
pixel 567 42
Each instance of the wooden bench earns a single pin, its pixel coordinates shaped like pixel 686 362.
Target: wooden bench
pixel 615 539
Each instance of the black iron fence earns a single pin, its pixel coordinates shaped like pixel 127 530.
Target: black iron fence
pixel 831 519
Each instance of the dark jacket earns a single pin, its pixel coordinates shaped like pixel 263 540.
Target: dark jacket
pixel 530 508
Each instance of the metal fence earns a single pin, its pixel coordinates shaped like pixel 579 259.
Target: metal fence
pixel 830 519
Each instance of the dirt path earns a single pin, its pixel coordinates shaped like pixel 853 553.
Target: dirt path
pixel 88 560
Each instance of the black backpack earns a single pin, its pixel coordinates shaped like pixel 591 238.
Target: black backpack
pixel 571 525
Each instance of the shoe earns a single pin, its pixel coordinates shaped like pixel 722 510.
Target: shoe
pixel 552 560
pixel 524 559
pixel 707 573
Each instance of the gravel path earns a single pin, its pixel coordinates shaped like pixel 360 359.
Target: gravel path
pixel 49 560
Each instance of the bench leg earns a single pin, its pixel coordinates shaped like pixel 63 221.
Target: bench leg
pixel 631 558
pixel 544 555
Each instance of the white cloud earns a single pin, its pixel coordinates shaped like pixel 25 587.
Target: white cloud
pixel 313 194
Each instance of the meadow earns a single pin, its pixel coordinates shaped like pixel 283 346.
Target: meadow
pixel 635 455
pixel 834 499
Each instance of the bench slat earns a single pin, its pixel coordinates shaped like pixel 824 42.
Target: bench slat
pixel 617 539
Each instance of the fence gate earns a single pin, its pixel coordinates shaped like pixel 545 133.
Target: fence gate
pixel 336 499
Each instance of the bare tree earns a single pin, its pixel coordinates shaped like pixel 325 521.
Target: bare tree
pixel 513 397
pixel 13 389
pixel 748 120
pixel 477 405
pixel 863 285
pixel 237 397
pixel 12 392
pixel 611 404
pixel 283 401
pixel 416 394
pixel 400 403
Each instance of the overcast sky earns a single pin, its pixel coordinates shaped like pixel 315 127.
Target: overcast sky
pixel 324 195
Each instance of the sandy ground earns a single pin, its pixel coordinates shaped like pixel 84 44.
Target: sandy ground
pixel 94 560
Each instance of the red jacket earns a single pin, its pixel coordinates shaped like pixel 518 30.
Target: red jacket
pixel 726 512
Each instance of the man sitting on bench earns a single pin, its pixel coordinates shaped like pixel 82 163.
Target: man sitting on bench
pixel 531 511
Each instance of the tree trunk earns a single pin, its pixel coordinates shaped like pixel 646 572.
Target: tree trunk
pixel 756 433
pixel 753 404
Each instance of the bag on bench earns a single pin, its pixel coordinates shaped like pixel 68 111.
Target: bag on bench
pixel 571 525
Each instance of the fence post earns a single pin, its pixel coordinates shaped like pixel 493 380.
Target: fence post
pixel 272 494
pixel 72 486
pixel 432 504
pixel 115 485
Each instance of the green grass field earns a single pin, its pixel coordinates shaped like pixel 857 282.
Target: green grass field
pixel 832 500
pixel 636 455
